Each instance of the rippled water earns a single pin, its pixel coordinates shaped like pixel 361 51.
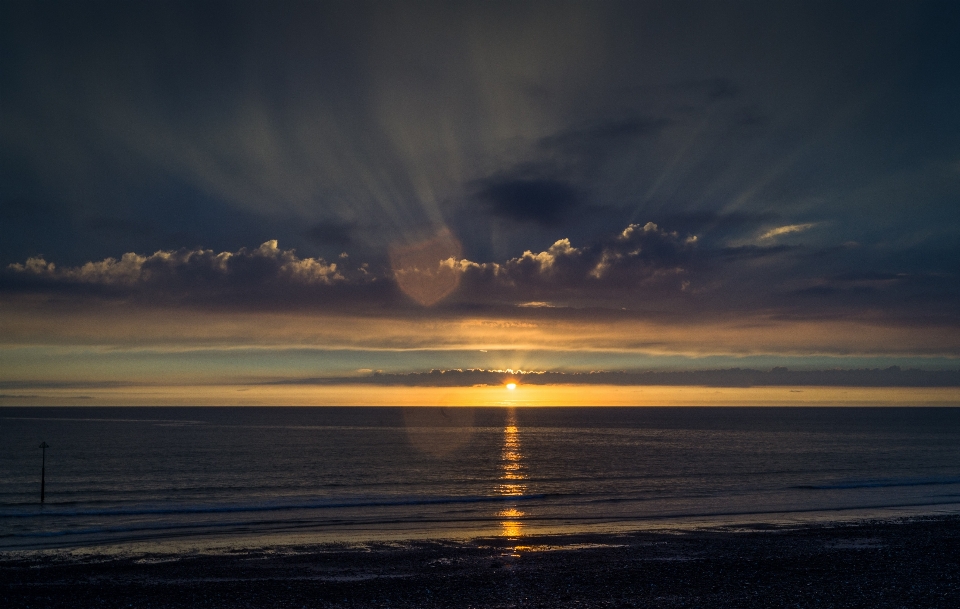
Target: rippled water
pixel 247 476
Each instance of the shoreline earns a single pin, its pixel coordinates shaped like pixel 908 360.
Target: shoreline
pixel 178 540
pixel 887 563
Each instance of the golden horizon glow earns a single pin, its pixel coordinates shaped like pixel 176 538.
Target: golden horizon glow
pixel 491 395
pixel 116 326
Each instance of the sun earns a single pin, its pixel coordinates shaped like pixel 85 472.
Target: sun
pixel 511 386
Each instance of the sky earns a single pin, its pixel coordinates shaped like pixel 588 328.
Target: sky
pixel 323 202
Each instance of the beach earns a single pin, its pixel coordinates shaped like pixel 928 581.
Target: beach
pixel 896 563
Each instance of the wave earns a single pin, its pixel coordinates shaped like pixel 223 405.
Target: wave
pixel 148 531
pixel 276 507
pixel 878 484
pixel 107 420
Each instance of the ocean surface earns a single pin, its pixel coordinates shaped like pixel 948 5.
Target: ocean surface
pixel 246 477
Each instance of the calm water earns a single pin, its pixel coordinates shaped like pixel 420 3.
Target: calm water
pixel 248 476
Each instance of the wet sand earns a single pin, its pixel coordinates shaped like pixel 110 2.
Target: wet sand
pixel 913 563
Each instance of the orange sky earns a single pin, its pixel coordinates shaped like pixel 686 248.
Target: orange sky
pixel 544 395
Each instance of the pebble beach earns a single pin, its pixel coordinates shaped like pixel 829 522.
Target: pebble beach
pixel 901 563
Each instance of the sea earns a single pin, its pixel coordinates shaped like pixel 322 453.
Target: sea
pixel 207 478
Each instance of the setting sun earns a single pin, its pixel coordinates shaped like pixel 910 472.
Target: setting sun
pixel 511 386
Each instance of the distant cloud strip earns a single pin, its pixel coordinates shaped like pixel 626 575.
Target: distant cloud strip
pixel 786 230
pixel 893 376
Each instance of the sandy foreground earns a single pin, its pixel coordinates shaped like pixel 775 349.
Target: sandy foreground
pixel 911 563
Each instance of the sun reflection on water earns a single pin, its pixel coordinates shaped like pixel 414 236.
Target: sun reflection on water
pixel 512 479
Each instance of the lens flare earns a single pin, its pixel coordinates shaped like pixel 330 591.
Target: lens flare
pixel 426 271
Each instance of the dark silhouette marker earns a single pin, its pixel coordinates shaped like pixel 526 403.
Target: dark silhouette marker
pixel 43 468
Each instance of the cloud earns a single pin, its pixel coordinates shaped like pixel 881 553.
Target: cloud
pixel 333 232
pixel 750 252
pixel 893 376
pixel 786 230
pixel 640 257
pixel 642 270
pixel 266 262
pixel 708 223
pixel 560 169
pixel 255 276
pixel 596 137
pixel 540 201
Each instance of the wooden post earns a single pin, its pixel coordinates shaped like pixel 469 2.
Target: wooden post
pixel 43 469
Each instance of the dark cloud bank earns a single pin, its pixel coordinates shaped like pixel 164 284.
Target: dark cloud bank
pixel 893 376
pixel 642 269
pixel 263 277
